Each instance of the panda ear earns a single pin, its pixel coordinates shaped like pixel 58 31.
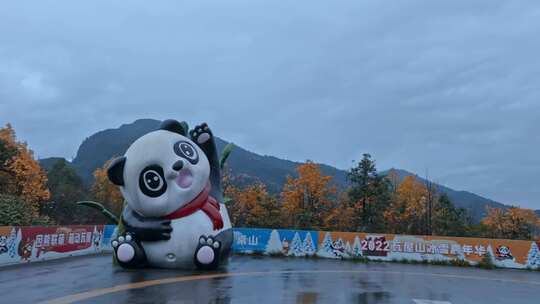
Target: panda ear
pixel 174 126
pixel 115 171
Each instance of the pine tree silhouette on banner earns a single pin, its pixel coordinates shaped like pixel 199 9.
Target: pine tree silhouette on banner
pixel 309 246
pixel 274 245
pixel 327 242
pixel 297 248
pixel 357 247
pixel 533 258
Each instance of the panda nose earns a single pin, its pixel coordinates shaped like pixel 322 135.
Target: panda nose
pixel 177 166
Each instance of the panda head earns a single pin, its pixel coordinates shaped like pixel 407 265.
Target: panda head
pixel 161 171
pixel 504 250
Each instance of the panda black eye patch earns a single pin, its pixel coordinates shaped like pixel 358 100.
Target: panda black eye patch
pixel 152 181
pixel 186 150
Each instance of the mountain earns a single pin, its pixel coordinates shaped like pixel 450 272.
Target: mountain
pixel 473 203
pixel 102 146
pixel 247 166
pixel 271 170
pixel 48 163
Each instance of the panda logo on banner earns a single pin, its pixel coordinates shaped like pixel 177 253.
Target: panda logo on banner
pixel 504 253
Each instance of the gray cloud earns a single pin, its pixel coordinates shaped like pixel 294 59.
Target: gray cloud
pixel 448 87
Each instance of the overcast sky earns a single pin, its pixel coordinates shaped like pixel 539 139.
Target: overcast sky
pixel 448 87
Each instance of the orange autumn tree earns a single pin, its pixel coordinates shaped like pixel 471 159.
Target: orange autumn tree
pixel 407 211
pixel 307 199
pixel 266 212
pixel 522 223
pixel 495 222
pixel 106 192
pixel 512 223
pixel 342 215
pixel 393 179
pixel 253 206
pixel 20 174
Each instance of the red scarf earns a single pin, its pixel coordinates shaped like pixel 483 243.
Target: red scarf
pixel 203 202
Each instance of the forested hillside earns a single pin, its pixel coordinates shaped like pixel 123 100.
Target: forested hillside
pixel 247 166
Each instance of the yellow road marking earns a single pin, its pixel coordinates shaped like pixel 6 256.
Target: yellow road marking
pixel 143 284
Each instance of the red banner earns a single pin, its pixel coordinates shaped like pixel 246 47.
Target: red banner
pixel 20 244
pixel 58 239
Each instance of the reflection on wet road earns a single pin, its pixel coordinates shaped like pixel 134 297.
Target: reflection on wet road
pixel 265 280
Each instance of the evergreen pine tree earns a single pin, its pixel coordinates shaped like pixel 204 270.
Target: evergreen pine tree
pixel 369 195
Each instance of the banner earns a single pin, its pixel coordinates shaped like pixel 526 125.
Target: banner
pixel 386 247
pixel 26 244
pixel 390 247
pixel 275 242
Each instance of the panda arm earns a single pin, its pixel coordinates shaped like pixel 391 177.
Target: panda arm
pixel 146 229
pixel 203 137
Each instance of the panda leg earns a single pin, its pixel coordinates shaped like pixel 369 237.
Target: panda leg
pixel 225 237
pixel 128 251
pixel 207 253
pixel 213 250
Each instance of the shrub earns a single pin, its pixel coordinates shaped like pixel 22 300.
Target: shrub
pixel 360 259
pixel 13 211
pixel 486 262
pixel 459 263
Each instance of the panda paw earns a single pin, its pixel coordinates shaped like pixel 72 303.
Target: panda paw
pixel 201 134
pixel 207 253
pixel 127 251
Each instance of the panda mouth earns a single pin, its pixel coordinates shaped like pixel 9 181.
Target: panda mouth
pixel 184 179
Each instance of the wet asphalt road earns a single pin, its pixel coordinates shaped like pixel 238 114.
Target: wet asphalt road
pixel 265 280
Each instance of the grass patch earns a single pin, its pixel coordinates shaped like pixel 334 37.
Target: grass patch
pixel 440 263
pixel 360 259
pixel 460 263
pixel 486 262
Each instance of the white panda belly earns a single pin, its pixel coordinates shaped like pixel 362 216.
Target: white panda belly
pixel 179 251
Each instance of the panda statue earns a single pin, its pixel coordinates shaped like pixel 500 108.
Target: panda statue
pixel 174 215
